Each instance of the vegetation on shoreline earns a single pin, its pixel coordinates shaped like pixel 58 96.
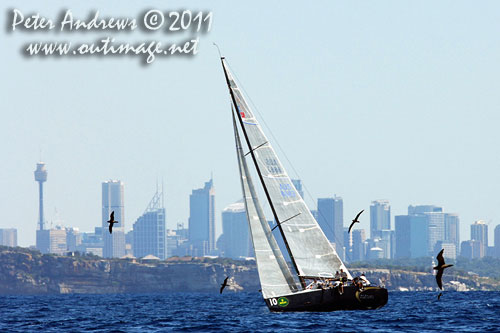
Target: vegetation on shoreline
pixel 487 266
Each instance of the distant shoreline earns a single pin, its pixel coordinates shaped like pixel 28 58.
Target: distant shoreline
pixel 27 272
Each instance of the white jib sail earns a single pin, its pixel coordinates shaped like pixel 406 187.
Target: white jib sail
pixel 314 255
pixel 274 274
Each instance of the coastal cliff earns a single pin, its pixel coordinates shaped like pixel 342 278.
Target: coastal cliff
pixel 25 271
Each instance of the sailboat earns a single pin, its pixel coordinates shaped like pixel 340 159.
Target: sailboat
pixel 310 283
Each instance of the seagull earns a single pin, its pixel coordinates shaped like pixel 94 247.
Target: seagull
pixel 439 296
pixel 224 284
pixel 440 268
pixel 355 220
pixel 111 221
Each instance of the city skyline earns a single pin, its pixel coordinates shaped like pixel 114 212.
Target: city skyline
pixel 423 232
pixel 367 102
pixel 116 199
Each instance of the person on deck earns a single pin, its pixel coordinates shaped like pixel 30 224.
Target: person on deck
pixel 343 275
pixel 343 279
pixel 364 280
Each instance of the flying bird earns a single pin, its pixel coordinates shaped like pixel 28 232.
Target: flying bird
pixel 440 268
pixel 355 220
pixel 112 221
pixel 224 284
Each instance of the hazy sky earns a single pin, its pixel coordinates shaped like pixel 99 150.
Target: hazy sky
pixel 370 100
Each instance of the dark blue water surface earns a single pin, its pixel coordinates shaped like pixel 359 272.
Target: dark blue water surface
pixel 193 312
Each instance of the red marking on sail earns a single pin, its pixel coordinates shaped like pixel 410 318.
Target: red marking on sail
pixel 242 114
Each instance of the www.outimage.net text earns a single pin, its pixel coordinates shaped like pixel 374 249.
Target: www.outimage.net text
pixel 173 23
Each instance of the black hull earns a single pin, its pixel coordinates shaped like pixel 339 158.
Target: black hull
pixel 352 298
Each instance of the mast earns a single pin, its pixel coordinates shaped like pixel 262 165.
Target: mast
pixel 275 214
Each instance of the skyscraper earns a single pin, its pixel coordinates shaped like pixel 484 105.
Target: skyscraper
pixel 149 230
pixel 41 237
pixel 236 240
pixel 479 232
pixel 380 217
pixel 436 230
pixel 497 241
pixel 8 237
pixel 452 230
pixel 113 200
pixel 411 236
pixel 202 220
pixel 331 220
pixel 358 247
pixel 436 226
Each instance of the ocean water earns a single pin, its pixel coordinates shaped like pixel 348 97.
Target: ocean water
pixel 229 312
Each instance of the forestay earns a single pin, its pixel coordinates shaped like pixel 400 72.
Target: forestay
pixel 313 254
pixel 275 277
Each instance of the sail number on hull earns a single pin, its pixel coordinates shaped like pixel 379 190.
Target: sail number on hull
pixel 282 301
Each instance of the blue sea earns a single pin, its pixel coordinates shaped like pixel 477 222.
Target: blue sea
pixel 244 312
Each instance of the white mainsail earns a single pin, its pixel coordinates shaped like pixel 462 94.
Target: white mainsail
pixel 312 253
pixel 275 277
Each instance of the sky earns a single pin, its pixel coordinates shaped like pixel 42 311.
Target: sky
pixel 393 100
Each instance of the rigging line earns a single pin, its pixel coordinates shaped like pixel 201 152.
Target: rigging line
pixel 288 219
pixel 261 117
pixel 253 149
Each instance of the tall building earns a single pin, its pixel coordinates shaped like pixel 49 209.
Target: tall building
pixel 358 247
pixel 411 236
pixel 113 201
pixel 436 230
pixel 380 217
pixel 479 232
pixel 386 241
pixel 298 186
pixel 452 230
pixel 41 177
pixel 330 217
pixel 202 220
pixel 235 239
pixel 8 237
pixel 437 221
pixel 471 249
pixel 149 230
pixel 497 241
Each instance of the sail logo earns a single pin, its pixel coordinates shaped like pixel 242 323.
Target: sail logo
pixel 287 191
pixel 273 166
pixel 283 301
